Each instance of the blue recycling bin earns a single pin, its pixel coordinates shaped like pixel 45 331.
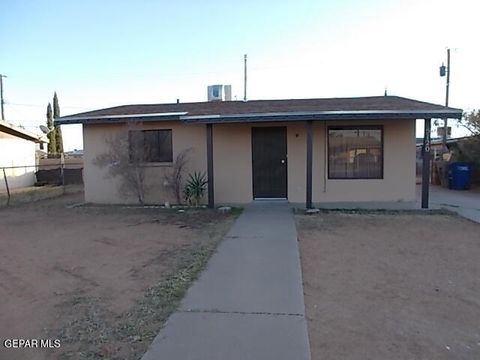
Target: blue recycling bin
pixel 459 175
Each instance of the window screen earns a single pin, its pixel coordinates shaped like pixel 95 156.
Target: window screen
pixel 151 145
pixel 355 153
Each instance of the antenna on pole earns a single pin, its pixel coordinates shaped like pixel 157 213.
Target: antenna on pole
pixel 245 77
pixel 1 95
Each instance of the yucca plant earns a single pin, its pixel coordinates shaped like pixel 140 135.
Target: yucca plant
pixel 195 188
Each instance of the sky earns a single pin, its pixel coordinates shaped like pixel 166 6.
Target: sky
pixel 98 54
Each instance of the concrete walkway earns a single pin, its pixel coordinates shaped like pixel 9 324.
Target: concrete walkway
pixel 248 303
pixel 464 203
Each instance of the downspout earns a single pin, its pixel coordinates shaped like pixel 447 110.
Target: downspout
pixel 309 126
pixel 325 169
pixel 210 183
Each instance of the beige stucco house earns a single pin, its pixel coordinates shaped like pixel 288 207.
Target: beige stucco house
pixel 17 156
pixel 305 150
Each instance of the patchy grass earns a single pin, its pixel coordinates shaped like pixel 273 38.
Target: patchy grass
pixel 102 334
pixel 102 279
pixel 363 211
pixel 36 193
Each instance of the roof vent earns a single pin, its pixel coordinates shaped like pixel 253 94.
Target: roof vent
pixel 220 93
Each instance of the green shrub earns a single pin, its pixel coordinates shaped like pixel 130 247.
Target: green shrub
pixel 195 188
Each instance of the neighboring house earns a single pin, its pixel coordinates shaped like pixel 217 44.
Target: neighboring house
pixel 74 154
pixel 457 151
pixel 437 145
pixel 18 155
pixel 304 150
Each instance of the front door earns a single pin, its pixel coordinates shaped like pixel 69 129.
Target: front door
pixel 269 153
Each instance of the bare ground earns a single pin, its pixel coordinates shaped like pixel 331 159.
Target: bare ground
pixel 35 193
pixel 391 286
pixel 101 279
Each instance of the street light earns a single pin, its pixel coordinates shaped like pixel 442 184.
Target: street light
pixel 445 71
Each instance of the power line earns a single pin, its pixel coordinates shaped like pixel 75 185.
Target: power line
pixel 27 126
pixel 28 120
pixel 37 105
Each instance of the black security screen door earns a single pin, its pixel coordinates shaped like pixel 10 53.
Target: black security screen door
pixel 269 152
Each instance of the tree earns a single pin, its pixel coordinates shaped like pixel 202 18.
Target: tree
pixel 124 159
pixel 470 148
pixel 58 130
pixel 471 121
pixel 51 135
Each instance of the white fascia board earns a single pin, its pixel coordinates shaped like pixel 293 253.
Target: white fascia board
pixel 121 116
pixel 313 113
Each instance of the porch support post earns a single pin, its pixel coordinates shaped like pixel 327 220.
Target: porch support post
pixel 426 164
pixel 211 199
pixel 309 164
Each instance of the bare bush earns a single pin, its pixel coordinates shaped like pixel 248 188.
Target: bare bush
pixel 124 159
pixel 174 178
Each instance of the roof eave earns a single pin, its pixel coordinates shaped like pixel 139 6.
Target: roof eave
pixel 326 115
pixel 263 117
pixel 108 119
pixel 10 129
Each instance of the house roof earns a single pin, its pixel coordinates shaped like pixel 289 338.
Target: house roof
pixel 439 140
pixel 378 107
pixel 17 131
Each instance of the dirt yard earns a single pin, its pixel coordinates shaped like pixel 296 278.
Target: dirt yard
pixel 392 286
pixel 101 279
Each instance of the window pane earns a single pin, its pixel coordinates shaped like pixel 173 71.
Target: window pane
pixel 165 146
pixel 355 153
pixel 151 145
pixel 135 145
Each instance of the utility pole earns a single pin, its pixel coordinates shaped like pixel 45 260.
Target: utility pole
pixel 1 95
pixel 446 71
pixel 245 77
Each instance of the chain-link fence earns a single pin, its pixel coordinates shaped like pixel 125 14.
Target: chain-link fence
pixel 56 172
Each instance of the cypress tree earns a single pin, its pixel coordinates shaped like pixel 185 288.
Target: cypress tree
pixel 58 130
pixel 51 135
